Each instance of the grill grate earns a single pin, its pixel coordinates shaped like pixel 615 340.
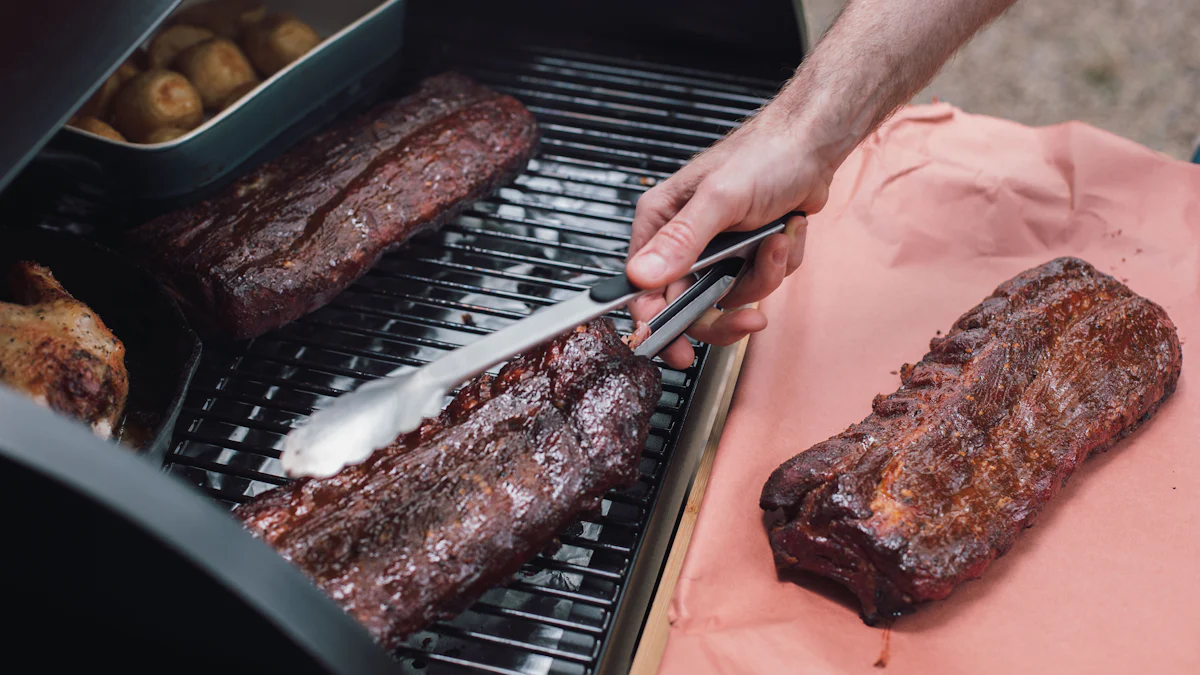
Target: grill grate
pixel 610 128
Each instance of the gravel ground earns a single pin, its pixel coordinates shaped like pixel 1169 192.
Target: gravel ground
pixel 1129 66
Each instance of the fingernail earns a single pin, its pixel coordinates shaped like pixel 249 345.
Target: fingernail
pixel 780 255
pixel 796 252
pixel 648 265
pixel 794 225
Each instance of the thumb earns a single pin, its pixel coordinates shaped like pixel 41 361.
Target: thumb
pixel 672 250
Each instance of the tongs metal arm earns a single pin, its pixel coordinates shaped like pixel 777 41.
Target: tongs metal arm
pixel 720 265
pixel 706 292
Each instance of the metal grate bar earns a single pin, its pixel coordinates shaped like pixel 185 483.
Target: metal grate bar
pixel 249 423
pixel 249 400
pixel 396 338
pixel 605 215
pixel 365 289
pixel 698 83
pixel 560 593
pixel 513 276
pixel 509 256
pixel 565 164
pixel 578 569
pixel 400 317
pixel 630 126
pixel 596 545
pixel 612 139
pixel 227 469
pixel 271 381
pixel 469 288
pixel 483 607
pixel 650 98
pixel 455 661
pixel 615 102
pixel 497 234
pixel 333 346
pixel 415 299
pixel 315 367
pixel 544 223
pixel 687 90
pixel 765 86
pixel 639 159
pixel 455 631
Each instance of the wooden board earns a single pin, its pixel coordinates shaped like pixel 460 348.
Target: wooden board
pixel 654 633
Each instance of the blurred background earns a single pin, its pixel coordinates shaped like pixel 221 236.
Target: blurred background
pixel 1131 67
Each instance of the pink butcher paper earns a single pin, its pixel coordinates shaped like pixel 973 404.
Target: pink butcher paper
pixel 924 220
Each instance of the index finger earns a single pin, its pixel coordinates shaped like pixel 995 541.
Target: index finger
pixel 673 250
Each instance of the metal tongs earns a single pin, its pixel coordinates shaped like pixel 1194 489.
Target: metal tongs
pixel 372 416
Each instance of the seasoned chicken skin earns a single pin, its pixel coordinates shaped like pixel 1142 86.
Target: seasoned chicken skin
pixel 56 350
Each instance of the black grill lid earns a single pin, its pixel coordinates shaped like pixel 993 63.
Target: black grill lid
pixel 116 563
pixel 53 55
pixel 755 38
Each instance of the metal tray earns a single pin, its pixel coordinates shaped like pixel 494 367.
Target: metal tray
pixel 362 37
pixel 161 352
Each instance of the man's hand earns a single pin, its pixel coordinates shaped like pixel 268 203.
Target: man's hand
pixel 755 175
pixel 877 55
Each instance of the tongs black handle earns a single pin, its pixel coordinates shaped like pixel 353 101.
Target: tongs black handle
pixel 720 266
pixel 722 246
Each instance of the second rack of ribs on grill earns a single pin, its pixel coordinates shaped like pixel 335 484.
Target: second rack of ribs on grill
pixel 1058 363
pixel 426 525
pixel 286 238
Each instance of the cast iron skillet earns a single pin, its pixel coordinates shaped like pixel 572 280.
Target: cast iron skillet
pixel 161 351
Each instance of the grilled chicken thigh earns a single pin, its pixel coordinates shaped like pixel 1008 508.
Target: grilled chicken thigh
pixel 56 350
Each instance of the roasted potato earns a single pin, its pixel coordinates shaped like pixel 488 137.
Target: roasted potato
pixel 278 40
pixel 172 40
pixel 164 134
pixel 155 99
pixel 97 105
pixel 237 94
pixel 216 68
pixel 127 70
pixel 226 18
pixel 96 126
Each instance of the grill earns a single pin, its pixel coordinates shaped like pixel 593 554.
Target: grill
pixel 611 128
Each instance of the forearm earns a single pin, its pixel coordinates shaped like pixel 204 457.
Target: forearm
pixel 877 55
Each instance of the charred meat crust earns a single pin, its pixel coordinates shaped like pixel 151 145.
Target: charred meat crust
pixel 286 238
pixel 1058 363
pixel 425 526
